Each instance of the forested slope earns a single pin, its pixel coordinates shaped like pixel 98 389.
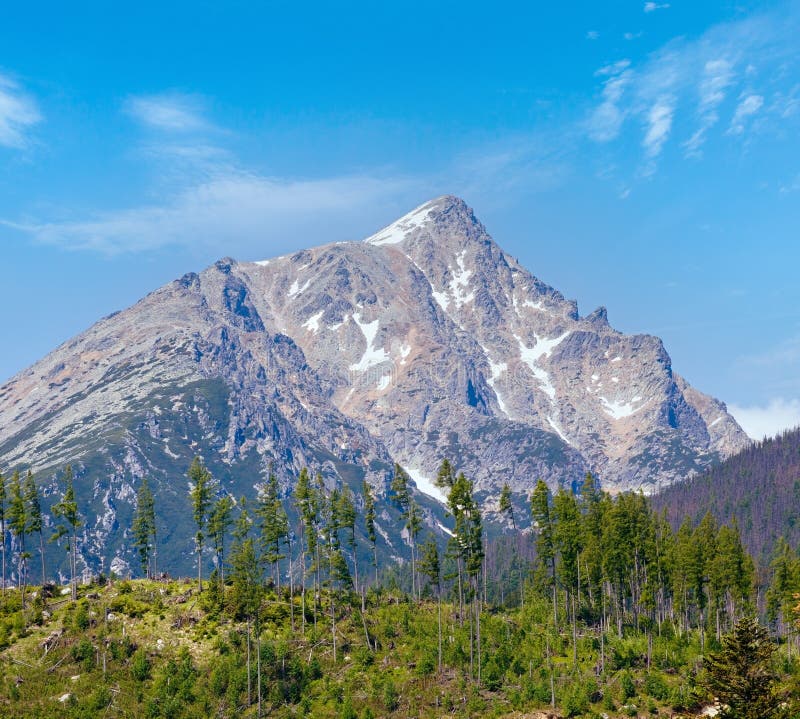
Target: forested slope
pixel 759 488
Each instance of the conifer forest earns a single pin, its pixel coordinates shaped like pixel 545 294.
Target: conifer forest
pixel 602 608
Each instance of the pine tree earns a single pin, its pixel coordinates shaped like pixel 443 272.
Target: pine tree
pixel 781 592
pixel 740 674
pixel 430 566
pixel 144 528
pixel 505 505
pixel 369 523
pixel 35 524
pixel 3 529
pixel 18 520
pixel 274 525
pixel 567 543
pixel 246 592
pixel 410 514
pixel 545 545
pixel 347 520
pixel 67 509
pixel 308 507
pixel 468 535
pixel 200 494
pixel 219 521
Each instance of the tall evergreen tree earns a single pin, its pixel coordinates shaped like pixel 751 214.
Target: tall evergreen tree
pixel 35 525
pixel 18 520
pixel 369 523
pixel 67 509
pixel 3 496
pixel 410 513
pixel 144 527
pixel 430 566
pixel 468 536
pixel 307 504
pixel 505 506
pixel 219 522
pixel 201 495
pixel 347 520
pixel 246 592
pixel 567 543
pixel 274 525
pixel 545 543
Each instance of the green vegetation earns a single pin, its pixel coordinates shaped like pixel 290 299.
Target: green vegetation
pixel 160 649
pixel 616 614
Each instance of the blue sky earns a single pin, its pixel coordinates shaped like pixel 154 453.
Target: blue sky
pixel 640 155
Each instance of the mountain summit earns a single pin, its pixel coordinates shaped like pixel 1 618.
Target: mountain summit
pixel 422 342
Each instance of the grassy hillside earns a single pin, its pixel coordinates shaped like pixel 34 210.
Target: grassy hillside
pixel 157 649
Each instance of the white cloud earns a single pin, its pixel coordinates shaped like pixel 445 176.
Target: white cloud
pixel 606 121
pixel 684 85
pixel 171 112
pixel 592 35
pixel 233 213
pixel 747 107
pixel 769 420
pixel 659 123
pixel 653 6
pixel 718 76
pixel 18 113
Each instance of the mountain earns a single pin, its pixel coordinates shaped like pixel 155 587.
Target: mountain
pixel 759 488
pixel 425 341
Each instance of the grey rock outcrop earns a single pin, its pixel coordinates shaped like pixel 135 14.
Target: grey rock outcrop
pixel 425 341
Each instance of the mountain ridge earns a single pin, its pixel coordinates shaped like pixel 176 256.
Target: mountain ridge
pixel 423 342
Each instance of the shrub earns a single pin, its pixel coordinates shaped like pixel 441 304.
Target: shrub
pixel 140 666
pixel 391 700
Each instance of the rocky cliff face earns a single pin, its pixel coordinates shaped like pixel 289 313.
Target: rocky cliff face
pixel 425 341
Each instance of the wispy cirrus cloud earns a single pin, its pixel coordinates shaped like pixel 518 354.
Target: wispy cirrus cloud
pixel 653 6
pixel 606 121
pixel 233 212
pixel 169 112
pixel 748 106
pixel 685 87
pixel 18 114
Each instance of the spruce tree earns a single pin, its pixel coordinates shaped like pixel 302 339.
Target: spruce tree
pixel 410 513
pixel 3 529
pixel 67 509
pixel 34 508
pixel 347 520
pixel 369 523
pixel 430 566
pixel 219 521
pixel 505 506
pixel 246 592
pixel 144 527
pixel 545 545
pixel 740 674
pixel 18 522
pixel 274 525
pixel 200 493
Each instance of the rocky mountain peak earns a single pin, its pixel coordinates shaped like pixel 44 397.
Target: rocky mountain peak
pixel 443 218
pixel 426 341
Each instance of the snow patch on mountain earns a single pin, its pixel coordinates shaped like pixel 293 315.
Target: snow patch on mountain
pixel 399 230
pixel 542 349
pixel 312 323
pixel 372 355
pixel 617 409
pixel 425 484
